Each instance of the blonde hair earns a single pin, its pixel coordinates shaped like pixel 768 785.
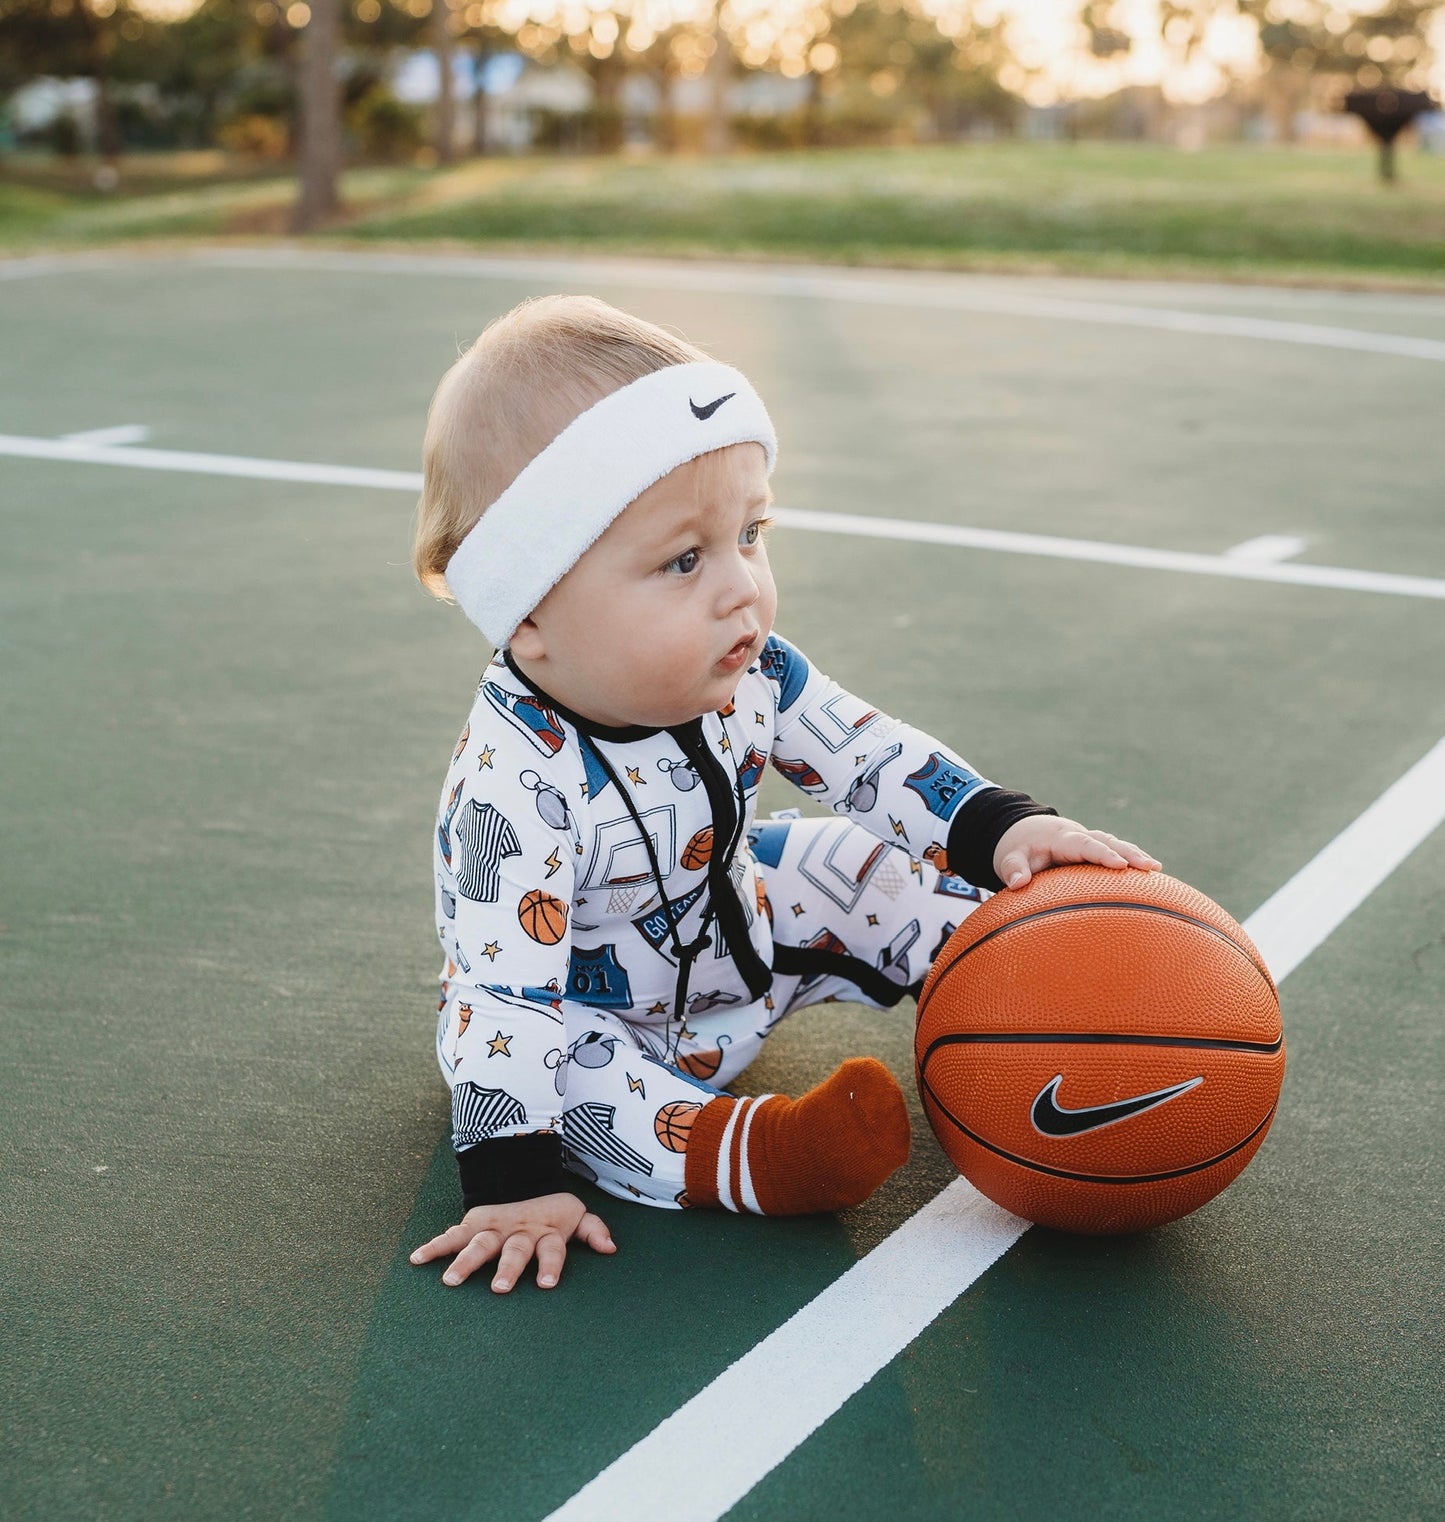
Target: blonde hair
pixel 530 373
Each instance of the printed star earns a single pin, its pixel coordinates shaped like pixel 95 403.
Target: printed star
pixel 758 718
pixel 553 862
pixel 490 951
pixel 635 777
pixel 859 760
pixel 726 745
pixel 797 908
pixel 685 1034
pixel 898 827
pixel 872 919
pixel 484 757
pixel 657 1009
pixel 497 1046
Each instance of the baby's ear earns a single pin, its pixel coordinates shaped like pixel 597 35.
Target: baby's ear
pixel 527 641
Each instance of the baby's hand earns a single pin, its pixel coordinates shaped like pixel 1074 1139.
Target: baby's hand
pixel 1044 840
pixel 542 1226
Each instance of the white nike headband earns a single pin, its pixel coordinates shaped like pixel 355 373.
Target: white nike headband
pixel 562 500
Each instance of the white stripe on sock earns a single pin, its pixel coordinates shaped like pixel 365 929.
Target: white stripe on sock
pixel 724 1182
pixel 745 1179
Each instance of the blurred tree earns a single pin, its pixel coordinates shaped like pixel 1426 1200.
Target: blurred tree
pixel 69 39
pixel 320 119
pixel 1314 51
pixel 925 68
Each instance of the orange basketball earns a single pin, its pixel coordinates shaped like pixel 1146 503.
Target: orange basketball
pixel 673 1124
pixel 1100 1051
pixel 698 851
pixel 543 917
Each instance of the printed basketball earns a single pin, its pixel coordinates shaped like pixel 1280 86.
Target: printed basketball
pixel 543 917
pixel 698 851
pixel 673 1124
pixel 1101 1051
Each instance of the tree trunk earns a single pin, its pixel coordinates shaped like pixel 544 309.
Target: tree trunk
pixel 665 123
pixel 101 38
pixel 717 130
pixel 320 117
pixel 479 100
pixel 1387 161
pixel 606 112
pixel 444 44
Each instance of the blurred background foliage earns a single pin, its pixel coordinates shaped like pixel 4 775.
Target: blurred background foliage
pixel 106 99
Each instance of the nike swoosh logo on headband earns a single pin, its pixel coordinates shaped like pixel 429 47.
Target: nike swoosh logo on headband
pixel 706 412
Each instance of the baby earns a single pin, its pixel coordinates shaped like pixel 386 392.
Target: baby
pixel 620 935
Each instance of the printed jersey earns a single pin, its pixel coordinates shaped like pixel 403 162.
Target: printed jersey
pixel 580 863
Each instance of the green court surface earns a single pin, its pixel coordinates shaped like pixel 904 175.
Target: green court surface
pixel 225 713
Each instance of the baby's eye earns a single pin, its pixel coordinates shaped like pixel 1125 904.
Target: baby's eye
pixel 685 564
pixel 754 532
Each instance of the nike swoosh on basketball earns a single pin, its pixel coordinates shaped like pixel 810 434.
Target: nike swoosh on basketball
pixel 1050 1118
pixel 706 412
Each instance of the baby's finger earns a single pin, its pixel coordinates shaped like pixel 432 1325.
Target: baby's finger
pixel 453 1239
pixel 1136 855
pixel 551 1255
pixel 593 1231
pixel 482 1247
pixel 1015 871
pixel 516 1254
pixel 1093 846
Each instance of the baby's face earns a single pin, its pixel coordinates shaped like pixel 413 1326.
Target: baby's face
pixel 658 621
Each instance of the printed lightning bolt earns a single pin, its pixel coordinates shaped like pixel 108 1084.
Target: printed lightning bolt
pixel 634 1086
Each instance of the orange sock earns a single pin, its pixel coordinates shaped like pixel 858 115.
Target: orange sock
pixel 777 1156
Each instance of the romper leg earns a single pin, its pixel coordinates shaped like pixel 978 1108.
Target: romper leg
pixel 625 1114
pixel 854 918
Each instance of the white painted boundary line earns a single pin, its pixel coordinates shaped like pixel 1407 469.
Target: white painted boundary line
pixel 927 289
pixel 1101 553
pixel 1339 578
pixel 1289 926
pixel 710 1453
pixel 930 290
pixel 1269 547
pixel 137 458
pixel 758 1410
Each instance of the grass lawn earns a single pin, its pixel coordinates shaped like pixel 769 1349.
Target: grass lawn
pixel 1102 208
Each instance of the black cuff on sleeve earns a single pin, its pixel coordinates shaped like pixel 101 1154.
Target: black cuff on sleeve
pixel 508 1168
pixel 977 828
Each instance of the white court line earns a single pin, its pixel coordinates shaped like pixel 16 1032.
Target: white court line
pixel 1339 578
pixel 209 464
pixel 1289 926
pixel 125 433
pixel 704 1458
pixel 1268 547
pixel 929 290
pixel 1054 547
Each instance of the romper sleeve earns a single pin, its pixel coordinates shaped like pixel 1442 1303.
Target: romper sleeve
pixel 506 874
pixel 892 779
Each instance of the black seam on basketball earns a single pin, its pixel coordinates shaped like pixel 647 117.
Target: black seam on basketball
pixel 1091 1178
pixel 938 974
pixel 1090 1038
